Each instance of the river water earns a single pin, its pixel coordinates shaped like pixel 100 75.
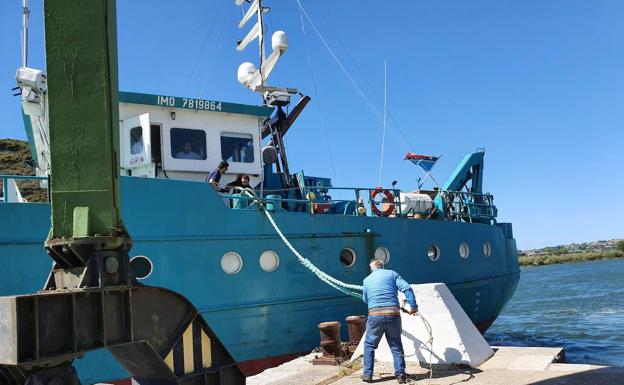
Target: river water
pixel 579 306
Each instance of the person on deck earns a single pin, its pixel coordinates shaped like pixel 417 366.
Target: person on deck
pixel 215 176
pixel 241 182
pixel 384 316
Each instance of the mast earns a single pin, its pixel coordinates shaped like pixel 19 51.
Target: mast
pixel 261 44
pixel 255 79
pixel 25 16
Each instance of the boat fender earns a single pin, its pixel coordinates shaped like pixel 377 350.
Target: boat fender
pixel 389 196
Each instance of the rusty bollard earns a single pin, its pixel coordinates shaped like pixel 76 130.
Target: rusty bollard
pixel 357 326
pixel 330 338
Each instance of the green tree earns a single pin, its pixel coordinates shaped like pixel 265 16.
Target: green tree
pixel 620 245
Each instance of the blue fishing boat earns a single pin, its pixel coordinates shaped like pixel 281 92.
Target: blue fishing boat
pixel 264 265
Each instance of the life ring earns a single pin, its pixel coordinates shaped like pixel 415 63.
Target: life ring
pixel 389 210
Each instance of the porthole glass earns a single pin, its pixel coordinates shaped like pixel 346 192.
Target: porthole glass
pixel 464 250
pixel 486 248
pixel 383 254
pixel 269 261
pixel 141 266
pixel 231 263
pixel 433 252
pixel 347 257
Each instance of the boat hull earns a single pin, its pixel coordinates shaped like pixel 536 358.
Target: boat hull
pixel 184 228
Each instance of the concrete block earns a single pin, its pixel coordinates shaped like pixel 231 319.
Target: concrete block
pixel 455 338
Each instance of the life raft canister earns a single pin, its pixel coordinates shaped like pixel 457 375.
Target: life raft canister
pixel 389 196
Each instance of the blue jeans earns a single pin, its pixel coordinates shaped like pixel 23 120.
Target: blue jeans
pixel 376 326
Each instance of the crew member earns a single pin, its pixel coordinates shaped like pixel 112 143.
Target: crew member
pixel 215 176
pixel 384 316
pixel 187 152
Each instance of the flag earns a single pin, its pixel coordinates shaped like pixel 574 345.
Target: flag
pixel 426 162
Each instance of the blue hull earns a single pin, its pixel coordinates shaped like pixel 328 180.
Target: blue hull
pixel 185 228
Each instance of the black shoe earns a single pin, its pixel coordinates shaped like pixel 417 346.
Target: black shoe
pixel 366 378
pixel 402 379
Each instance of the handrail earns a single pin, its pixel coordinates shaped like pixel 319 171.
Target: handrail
pixel 460 205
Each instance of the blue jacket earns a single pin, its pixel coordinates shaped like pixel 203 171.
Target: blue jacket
pixel 381 286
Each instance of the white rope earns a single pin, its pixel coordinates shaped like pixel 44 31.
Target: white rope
pixel 346 288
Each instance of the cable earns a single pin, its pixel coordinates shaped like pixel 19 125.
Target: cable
pixel 363 75
pixel 401 141
pixel 383 136
pixel 316 95
pixel 201 51
pixel 225 18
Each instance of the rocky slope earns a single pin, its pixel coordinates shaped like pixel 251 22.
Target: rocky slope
pixel 16 159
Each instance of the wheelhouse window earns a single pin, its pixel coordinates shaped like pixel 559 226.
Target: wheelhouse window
pixel 237 148
pixel 136 140
pixel 187 143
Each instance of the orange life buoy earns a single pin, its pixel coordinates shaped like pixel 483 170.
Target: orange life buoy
pixel 389 210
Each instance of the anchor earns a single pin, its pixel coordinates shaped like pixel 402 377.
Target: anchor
pixel 91 299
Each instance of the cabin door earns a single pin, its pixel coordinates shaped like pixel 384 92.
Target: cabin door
pixel 136 146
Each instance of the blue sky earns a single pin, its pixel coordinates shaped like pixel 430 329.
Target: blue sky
pixel 539 84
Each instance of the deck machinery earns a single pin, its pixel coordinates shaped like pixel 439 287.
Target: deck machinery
pixel 91 299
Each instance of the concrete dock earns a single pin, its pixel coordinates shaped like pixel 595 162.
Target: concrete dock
pixel 508 366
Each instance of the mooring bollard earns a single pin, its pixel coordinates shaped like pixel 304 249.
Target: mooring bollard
pixel 356 324
pixel 330 338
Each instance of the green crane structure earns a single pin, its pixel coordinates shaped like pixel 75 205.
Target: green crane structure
pixel 91 299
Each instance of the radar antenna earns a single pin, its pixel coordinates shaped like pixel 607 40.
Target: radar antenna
pixel 255 78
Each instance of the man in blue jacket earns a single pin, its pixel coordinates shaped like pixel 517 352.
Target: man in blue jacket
pixel 384 316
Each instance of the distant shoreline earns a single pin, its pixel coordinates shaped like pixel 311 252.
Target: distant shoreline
pixel 549 259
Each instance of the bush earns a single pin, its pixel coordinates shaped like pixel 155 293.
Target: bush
pixel 620 245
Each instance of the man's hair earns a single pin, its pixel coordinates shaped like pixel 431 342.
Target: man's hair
pixel 223 164
pixel 376 264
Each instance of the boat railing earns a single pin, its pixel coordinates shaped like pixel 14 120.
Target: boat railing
pixel 8 184
pixel 468 206
pixel 455 205
pixel 318 200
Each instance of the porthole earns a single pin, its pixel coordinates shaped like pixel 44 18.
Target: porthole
pixel 141 266
pixel 231 263
pixel 347 257
pixel 269 261
pixel 464 250
pixel 433 252
pixel 383 254
pixel 487 249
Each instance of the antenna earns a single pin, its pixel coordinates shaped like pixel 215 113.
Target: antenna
pixel 25 16
pixel 383 135
pixel 255 78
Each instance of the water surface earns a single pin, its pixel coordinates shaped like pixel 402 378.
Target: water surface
pixel 579 306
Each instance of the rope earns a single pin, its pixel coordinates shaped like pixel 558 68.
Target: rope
pixel 328 279
pixel 430 342
pixel 343 287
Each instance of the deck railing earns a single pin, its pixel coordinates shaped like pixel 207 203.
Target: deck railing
pixel 455 205
pixel 467 206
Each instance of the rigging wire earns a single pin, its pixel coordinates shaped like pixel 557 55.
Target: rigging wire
pixel 401 141
pixel 316 95
pixel 383 135
pixel 370 86
pixel 201 51
pixel 225 19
